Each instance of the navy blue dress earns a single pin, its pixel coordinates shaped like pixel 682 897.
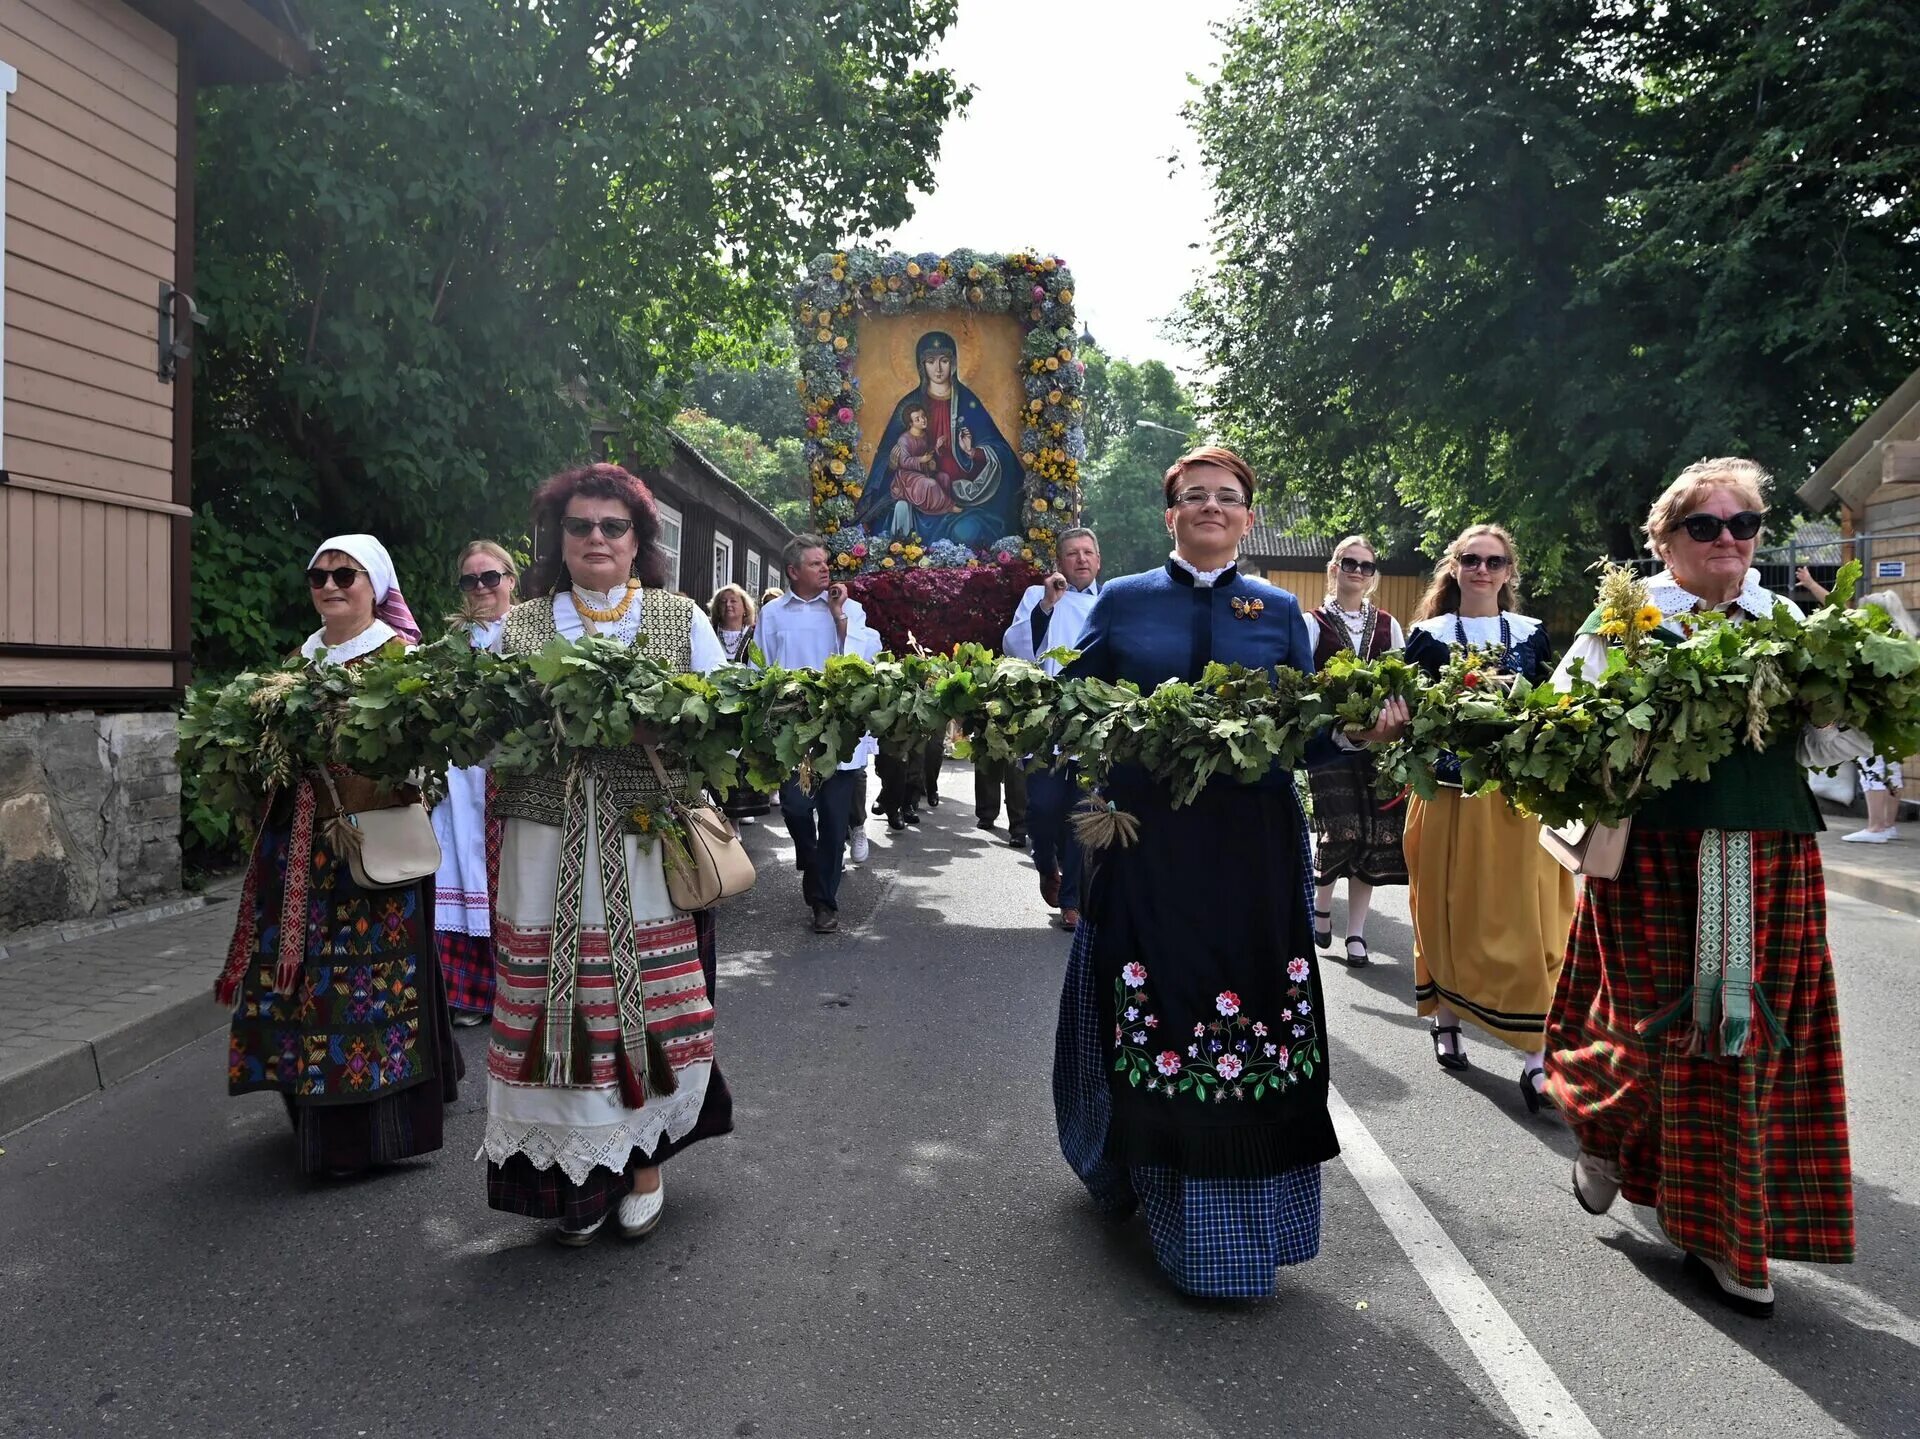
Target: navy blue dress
pixel 1190 1062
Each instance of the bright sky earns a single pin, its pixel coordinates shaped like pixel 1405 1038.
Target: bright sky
pixel 1109 107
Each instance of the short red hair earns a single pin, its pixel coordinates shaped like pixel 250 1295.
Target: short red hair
pixel 1219 455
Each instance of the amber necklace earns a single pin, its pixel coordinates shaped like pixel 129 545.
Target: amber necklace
pixel 610 616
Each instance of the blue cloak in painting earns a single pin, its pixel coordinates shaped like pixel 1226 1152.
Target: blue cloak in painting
pixel 987 487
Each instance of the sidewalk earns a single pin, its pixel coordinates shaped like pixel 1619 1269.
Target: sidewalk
pixel 80 1013
pixel 1885 874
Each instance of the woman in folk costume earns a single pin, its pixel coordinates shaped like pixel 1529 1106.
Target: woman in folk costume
pixel 1190 1061
pixel 1694 1045
pixel 469 841
pixel 340 1005
pixel 601 1063
pixel 1490 907
pixel 1356 831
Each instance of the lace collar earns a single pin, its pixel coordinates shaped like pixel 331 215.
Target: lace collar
pixel 1755 599
pixel 364 643
pixel 1203 579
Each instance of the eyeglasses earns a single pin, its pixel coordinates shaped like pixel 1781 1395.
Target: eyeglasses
pixel 1705 529
pixel 1493 564
pixel 485 580
pixel 1366 569
pixel 342 577
pixel 1195 499
pixel 580 528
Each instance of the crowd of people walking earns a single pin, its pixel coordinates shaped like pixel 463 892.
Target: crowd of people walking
pixel 1681 1017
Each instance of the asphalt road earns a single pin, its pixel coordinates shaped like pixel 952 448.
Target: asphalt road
pixel 890 1244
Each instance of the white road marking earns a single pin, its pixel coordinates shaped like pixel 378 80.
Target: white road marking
pixel 1539 1402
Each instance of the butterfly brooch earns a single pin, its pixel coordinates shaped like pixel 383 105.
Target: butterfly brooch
pixel 1245 609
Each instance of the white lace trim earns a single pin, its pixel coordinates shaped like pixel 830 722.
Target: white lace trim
pixel 364 643
pixel 1754 598
pixel 580 1149
pixel 1205 579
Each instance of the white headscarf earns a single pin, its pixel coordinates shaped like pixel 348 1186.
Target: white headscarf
pixel 389 603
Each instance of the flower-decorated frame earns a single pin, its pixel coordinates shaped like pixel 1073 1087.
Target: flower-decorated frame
pixel 1037 291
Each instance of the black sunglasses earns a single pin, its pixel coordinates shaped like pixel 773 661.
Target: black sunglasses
pixel 1492 563
pixel 1366 569
pixel 342 577
pixel 580 528
pixel 485 580
pixel 1705 529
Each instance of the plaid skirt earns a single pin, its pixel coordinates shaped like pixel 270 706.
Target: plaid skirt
pixel 1356 833
pixel 1744 1158
pixel 467 962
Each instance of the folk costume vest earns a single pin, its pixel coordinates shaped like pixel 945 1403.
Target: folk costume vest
pixel 1377 628
pixel 602 795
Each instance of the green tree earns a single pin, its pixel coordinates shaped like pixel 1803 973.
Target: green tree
pixel 757 390
pixel 483 222
pixel 774 473
pixel 1522 259
pixel 1139 420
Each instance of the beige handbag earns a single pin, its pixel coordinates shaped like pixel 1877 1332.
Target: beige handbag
pixel 1593 851
pixel 712 864
pixel 387 848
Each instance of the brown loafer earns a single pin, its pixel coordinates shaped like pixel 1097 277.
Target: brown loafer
pixel 1069 919
pixel 1050 889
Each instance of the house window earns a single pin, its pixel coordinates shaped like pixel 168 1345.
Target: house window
pixel 670 542
pixel 8 80
pixel 753 575
pixel 722 561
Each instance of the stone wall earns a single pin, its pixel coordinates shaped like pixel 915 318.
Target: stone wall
pixel 89 814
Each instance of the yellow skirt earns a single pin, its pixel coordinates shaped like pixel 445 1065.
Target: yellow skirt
pixel 1491 912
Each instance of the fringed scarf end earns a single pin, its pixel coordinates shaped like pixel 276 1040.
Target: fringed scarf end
pixel 1102 826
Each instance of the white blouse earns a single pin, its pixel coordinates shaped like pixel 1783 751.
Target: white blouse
pixel 365 643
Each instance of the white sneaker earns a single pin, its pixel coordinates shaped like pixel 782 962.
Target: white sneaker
pixel 1868 836
pixel 858 846
pixel 640 1213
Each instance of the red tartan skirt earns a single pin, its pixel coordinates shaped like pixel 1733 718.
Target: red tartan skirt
pixel 1744 1159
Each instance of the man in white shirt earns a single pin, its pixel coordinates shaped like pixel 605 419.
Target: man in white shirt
pixel 1053 616
pixel 801 630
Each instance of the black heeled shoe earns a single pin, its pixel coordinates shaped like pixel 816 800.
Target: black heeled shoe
pixel 1457 1060
pixel 1364 957
pixel 1323 938
pixel 1536 1098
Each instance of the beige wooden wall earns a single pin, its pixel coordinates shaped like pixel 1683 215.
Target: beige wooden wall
pixel 1397 594
pixel 86 521
pixel 1893 509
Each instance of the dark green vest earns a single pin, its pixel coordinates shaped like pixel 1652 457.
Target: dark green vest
pixel 1749 789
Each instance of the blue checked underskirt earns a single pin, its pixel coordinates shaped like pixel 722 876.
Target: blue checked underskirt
pixel 1219 1238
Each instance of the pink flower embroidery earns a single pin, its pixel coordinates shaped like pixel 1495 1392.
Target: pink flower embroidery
pixel 1228 1065
pixel 1167 1062
pixel 1259 1028
pixel 1227 1002
pixel 1134 973
pixel 1297 970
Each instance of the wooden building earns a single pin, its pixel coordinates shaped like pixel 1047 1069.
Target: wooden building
pixel 97 101
pixel 1298 565
pixel 713 531
pixel 1874 482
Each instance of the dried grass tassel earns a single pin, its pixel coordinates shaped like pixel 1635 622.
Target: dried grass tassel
pixel 1100 825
